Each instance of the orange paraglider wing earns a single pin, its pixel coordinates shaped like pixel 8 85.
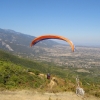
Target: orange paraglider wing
pixel 43 37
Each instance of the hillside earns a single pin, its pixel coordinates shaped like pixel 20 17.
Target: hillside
pixel 22 73
pixel 19 73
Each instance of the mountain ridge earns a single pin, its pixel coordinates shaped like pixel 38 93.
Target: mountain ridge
pixel 18 43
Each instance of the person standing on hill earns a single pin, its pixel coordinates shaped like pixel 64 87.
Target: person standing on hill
pixel 48 76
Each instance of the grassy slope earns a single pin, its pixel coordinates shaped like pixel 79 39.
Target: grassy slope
pixel 14 73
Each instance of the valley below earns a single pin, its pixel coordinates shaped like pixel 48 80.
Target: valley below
pixel 83 57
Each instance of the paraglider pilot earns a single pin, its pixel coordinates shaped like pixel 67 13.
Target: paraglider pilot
pixel 48 76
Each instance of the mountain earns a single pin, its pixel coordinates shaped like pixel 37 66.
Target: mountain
pixel 49 51
pixel 19 43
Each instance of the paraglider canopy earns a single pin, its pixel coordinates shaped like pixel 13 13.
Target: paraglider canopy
pixel 43 37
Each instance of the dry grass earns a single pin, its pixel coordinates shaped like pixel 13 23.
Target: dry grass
pixel 32 95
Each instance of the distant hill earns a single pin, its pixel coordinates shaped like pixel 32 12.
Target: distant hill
pixel 19 43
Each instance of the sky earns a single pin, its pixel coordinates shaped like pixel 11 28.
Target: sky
pixel 77 20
